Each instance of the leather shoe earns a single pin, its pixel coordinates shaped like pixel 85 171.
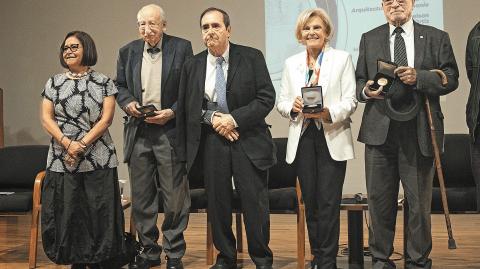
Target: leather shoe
pixel 142 263
pixel 264 267
pixel 224 266
pixel 174 263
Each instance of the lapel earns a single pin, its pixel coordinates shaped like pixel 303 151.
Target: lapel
pixel 136 62
pixel 168 53
pixel 419 40
pixel 325 70
pixel 384 41
pixel 202 72
pixel 301 70
pixel 233 62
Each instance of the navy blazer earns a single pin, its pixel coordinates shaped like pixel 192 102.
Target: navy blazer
pixel 175 51
pixel 250 97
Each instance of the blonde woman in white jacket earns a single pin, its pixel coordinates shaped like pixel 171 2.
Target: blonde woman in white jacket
pixel 320 143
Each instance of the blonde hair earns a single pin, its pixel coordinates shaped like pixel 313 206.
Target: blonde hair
pixel 307 15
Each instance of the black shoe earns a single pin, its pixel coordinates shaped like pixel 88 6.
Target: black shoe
pixel 264 267
pixel 174 263
pixel 224 266
pixel 142 263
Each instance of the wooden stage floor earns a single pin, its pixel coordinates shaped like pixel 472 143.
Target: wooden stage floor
pixel 14 238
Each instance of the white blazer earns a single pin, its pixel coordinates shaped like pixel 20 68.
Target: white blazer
pixel 337 78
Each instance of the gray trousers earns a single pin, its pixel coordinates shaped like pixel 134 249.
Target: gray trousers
pixel 155 174
pixel 399 159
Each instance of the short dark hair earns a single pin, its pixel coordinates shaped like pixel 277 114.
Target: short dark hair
pixel 226 18
pixel 89 57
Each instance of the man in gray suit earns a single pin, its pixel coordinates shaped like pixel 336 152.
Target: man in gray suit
pixel 398 146
pixel 148 73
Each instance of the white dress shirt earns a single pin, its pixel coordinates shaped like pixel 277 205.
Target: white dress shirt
pixel 211 74
pixel 408 37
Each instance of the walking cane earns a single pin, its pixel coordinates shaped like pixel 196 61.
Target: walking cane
pixel 438 165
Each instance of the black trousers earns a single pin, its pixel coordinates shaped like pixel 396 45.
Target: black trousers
pixel 399 159
pixel 223 159
pixel 475 162
pixel 321 180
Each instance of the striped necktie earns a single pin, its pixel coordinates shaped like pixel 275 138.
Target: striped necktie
pixel 399 49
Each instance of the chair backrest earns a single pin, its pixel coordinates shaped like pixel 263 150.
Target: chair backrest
pixel 456 162
pixel 195 177
pixel 282 174
pixel 20 164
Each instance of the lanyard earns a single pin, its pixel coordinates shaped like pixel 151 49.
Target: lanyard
pixel 313 80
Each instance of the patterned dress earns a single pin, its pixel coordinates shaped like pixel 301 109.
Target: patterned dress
pixel 82 217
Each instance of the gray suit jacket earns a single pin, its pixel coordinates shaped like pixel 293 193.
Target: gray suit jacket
pixel 432 51
pixel 129 83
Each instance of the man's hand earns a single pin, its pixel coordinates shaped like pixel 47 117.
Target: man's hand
pixel 232 136
pixel 375 94
pixel 162 117
pixel 324 115
pixel 223 123
pixel 225 126
pixel 297 105
pixel 131 109
pixel 407 75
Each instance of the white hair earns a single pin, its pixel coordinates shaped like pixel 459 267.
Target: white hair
pixel 158 9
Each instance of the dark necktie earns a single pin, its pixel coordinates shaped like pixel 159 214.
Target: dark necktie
pixel 153 51
pixel 221 86
pixel 400 51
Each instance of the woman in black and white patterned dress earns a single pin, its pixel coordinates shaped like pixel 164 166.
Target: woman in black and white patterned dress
pixel 82 217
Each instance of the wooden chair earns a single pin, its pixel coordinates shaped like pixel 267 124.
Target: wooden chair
pixel 21 175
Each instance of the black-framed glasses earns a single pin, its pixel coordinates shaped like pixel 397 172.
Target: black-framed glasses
pixel 72 47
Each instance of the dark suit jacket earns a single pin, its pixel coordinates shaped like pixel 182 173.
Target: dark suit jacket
pixel 250 97
pixel 472 63
pixel 432 51
pixel 129 83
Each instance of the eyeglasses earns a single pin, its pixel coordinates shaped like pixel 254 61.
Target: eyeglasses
pixel 390 2
pixel 142 25
pixel 72 47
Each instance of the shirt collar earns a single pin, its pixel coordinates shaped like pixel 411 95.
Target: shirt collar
pixel 212 59
pixel 407 27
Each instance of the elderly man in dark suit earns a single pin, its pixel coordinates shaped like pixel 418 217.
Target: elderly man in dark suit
pixel 395 130
pixel 148 73
pixel 225 95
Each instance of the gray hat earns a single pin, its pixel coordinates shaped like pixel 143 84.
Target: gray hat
pixel 402 101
